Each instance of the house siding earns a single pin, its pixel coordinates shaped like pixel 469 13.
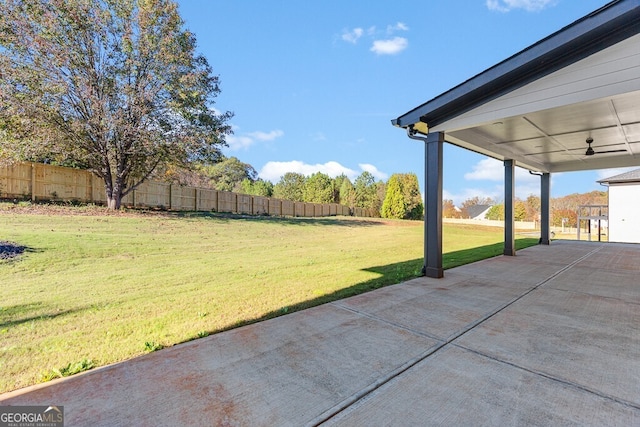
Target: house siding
pixel 624 212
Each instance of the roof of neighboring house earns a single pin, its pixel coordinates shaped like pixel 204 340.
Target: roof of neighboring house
pixel 631 176
pixel 477 210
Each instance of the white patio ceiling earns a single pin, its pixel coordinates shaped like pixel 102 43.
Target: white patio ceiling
pixel 554 140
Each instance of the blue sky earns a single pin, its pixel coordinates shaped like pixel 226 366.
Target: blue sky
pixel 314 83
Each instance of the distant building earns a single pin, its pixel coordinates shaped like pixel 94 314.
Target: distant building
pixel 624 206
pixel 478 212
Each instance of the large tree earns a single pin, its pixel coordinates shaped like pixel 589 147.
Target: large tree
pixel 412 196
pixel 496 212
pixel 228 174
pixel 318 188
pixel 347 193
pixel 394 205
pixel 403 199
pixel 366 191
pixel 259 187
pixel 449 210
pixel 290 187
pixel 113 85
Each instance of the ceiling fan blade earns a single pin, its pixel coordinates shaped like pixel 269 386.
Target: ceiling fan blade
pixel 611 151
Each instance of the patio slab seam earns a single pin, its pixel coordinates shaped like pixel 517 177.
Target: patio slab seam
pixel 388 322
pixel 366 391
pixel 552 377
pixel 363 393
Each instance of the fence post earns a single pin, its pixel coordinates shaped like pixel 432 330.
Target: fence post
pixel 89 189
pixel 33 182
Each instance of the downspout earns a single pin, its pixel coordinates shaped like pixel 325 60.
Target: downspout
pixel 411 133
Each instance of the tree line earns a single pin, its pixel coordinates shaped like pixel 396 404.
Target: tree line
pixel 117 87
pixel 563 210
pixel 398 198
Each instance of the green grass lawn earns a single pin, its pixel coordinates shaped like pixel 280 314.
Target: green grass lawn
pixel 93 288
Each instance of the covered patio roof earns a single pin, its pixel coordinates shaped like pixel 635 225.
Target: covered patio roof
pixel 569 102
pixel 540 106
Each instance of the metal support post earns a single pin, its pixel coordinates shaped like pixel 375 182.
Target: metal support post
pixel 433 208
pixel 545 202
pixel 509 202
pixel 433 147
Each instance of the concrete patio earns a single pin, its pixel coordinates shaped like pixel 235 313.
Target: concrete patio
pixel 549 337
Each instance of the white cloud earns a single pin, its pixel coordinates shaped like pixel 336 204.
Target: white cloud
pixel 239 142
pixel 470 193
pixel 352 36
pixel 486 170
pixel 373 171
pixel 528 5
pixel 490 169
pixel 266 136
pixel 400 26
pixel 243 142
pixel 389 47
pixel 273 171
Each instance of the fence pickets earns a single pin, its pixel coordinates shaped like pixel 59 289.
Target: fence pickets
pixel 42 182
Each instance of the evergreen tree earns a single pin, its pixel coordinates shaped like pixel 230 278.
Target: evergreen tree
pixel 394 202
pixel 347 193
pixel 381 190
pixel 412 196
pixel 318 188
pixel 403 199
pixel 259 187
pixel 365 188
pixel 290 187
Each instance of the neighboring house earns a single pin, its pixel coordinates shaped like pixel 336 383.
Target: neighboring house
pixel 624 206
pixel 478 212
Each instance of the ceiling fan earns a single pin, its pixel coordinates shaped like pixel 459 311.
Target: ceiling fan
pixel 591 151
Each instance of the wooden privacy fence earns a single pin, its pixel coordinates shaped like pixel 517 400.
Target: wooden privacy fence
pixel 41 182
